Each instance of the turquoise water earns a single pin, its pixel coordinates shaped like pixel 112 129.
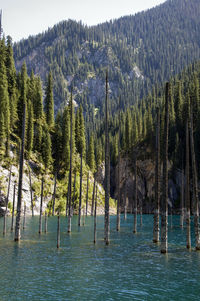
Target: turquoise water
pixel 130 268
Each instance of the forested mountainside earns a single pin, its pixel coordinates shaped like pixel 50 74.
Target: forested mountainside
pixel 138 50
pixel 53 147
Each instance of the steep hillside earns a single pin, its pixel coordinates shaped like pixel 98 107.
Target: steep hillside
pixel 139 51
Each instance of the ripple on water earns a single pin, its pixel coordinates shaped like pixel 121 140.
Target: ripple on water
pixel 130 268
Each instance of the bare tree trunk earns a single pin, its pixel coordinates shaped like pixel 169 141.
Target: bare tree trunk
pixel 195 185
pixel 182 199
pixel 58 232
pixel 187 190
pixel 7 199
pixel 54 193
pixel 118 188
pixel 83 216
pixel 156 229
pixel 107 167
pixel 45 222
pixel 67 201
pixel 73 200
pixel 31 192
pixel 13 209
pixel 80 196
pixel 41 204
pixel 21 167
pixel 24 222
pixel 95 218
pixel 125 198
pixel 135 207
pixel 70 170
pixel 93 196
pixel 87 194
pixel 141 212
pixel 164 203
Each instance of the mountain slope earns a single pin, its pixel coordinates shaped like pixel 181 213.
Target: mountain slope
pixel 139 51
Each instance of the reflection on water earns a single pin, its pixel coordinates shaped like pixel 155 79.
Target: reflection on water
pixel 130 268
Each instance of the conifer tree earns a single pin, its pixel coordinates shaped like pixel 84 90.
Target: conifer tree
pixel 90 156
pixel 164 202
pixel 22 97
pixel 81 149
pixel 30 133
pixel 66 138
pixel 49 101
pixel 46 148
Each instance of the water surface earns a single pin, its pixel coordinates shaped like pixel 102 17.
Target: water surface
pixel 130 268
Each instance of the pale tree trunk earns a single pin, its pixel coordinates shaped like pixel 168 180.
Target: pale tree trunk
pixel 156 228
pixel 141 212
pixel 164 203
pixel 41 204
pixel 70 172
pixel 21 167
pixel 67 201
pixel 107 168
pixel 182 199
pixel 95 218
pixel 58 232
pixel 135 205
pixel 118 188
pixel 31 192
pixel 93 197
pixel 187 191
pixel 195 185
pixel 13 210
pixel 24 222
pixel 54 193
pixel 7 199
pixel 87 194
pixel 74 192
pixel 125 195
pixel 45 222
pixel 80 196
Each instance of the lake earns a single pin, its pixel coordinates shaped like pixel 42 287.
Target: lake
pixel 130 268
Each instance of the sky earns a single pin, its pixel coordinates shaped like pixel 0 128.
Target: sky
pixel 22 18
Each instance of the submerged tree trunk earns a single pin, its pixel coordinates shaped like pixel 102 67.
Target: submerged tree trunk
pixel 118 188
pixel 7 199
pixel 141 212
pixel 80 196
pixel 187 190
pixel 67 201
pixel 74 193
pixel 54 193
pixel 195 186
pixel 21 167
pixel 156 229
pixel 41 204
pixel 95 218
pixel 135 204
pixel 31 192
pixel 24 222
pixel 107 167
pixel 70 167
pixel 182 199
pixel 125 195
pixel 13 209
pixel 164 203
pixel 93 197
pixel 87 194
pixel 58 232
pixel 45 223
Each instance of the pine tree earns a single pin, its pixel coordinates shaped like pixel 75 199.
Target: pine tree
pixel 66 138
pixel 29 140
pixel 4 106
pixel 22 98
pixel 90 156
pixel 49 102
pixel 46 148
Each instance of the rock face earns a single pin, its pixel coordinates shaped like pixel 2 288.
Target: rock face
pixel 26 196
pixel 146 185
